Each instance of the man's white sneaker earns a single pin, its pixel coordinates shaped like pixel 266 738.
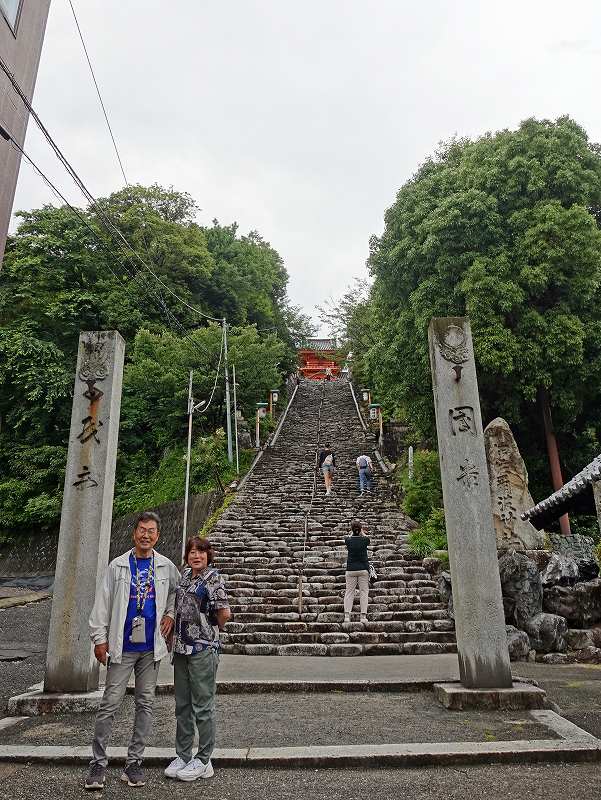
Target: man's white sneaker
pixel 175 766
pixel 196 769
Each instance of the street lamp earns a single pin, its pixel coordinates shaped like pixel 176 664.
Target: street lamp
pixel 375 412
pixel 366 395
pixel 274 396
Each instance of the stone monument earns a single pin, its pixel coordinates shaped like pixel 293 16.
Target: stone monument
pixel 85 528
pixel 597 497
pixel 478 605
pixel 509 490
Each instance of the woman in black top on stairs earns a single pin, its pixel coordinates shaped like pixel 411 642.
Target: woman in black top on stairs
pixel 357 571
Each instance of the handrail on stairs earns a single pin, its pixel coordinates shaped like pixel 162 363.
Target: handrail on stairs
pixel 301 572
pixel 270 441
pixel 359 414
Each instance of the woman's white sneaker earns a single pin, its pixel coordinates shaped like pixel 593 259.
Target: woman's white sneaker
pixel 196 769
pixel 176 765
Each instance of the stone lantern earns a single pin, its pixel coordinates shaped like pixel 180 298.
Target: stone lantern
pixel 261 412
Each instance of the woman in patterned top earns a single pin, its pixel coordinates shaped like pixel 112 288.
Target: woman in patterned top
pixel 201 611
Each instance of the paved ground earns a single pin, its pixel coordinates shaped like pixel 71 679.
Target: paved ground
pixel 26 626
pixel 279 720
pixel 576 689
pixel 520 782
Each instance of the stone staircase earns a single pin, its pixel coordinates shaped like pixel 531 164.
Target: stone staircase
pixel 261 552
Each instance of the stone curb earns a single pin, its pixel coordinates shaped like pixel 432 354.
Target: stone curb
pixel 24 599
pixel 35 702
pixel 367 756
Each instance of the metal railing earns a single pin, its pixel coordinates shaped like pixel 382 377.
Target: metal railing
pixel 301 571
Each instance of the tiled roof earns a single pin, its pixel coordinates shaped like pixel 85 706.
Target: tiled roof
pixel 555 504
pixel 320 344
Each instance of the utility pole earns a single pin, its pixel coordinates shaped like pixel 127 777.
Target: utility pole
pixel 235 420
pixel 230 455
pixel 188 452
pixel 192 407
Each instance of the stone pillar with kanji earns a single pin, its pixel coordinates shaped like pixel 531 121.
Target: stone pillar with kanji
pixel 85 528
pixel 478 604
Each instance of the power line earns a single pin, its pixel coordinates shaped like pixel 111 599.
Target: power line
pixel 171 320
pixel 108 124
pixel 88 195
pixel 206 405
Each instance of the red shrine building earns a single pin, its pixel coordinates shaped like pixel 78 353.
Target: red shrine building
pixel 316 357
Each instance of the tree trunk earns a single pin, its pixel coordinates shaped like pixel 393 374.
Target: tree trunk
pixel 553 453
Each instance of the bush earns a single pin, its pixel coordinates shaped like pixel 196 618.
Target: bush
pixel 430 536
pixel 210 523
pixel 145 487
pixel 423 492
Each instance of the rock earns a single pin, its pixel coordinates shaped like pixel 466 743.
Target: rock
pixel 596 632
pixel 579 604
pixel 259 650
pixel 334 638
pixel 578 639
pixel 345 650
pixel 532 655
pixel 540 557
pixel 581 549
pixel 588 655
pixel 304 649
pixel 509 489
pixel 553 658
pixel 446 592
pixel 521 587
pixel 244 437
pixel 518 644
pixel 547 633
pixel 432 565
pixel 560 570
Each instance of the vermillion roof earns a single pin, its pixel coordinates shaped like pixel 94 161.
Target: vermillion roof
pixel 576 493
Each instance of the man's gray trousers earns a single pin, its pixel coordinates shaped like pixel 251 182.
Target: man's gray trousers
pixel 146 671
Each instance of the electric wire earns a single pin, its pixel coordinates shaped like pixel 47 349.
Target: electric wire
pixel 171 319
pixel 210 400
pixel 88 195
pixel 108 124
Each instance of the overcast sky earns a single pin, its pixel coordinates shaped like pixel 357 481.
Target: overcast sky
pixel 301 119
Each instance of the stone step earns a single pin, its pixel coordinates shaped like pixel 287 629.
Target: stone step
pixel 262 551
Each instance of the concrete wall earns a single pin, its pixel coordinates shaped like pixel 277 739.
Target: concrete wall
pixel 21 51
pixel 36 556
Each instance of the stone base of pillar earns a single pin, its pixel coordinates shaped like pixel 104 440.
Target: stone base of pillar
pixel 456 697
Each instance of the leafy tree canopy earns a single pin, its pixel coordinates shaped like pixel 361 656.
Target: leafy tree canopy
pixel 65 272
pixel 505 230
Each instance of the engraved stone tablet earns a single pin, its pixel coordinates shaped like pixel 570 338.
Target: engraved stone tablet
pixel 479 617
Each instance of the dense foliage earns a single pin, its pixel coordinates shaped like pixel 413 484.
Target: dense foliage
pixel 505 230
pixel 63 273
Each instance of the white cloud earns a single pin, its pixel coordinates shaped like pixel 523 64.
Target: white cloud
pixel 300 120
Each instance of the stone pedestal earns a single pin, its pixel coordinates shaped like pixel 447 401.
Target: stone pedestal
pixel 456 697
pixel 85 528
pixel 478 605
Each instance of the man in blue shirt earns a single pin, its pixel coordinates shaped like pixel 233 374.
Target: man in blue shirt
pixel 132 616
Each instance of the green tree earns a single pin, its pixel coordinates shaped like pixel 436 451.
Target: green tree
pixel 504 229
pixel 65 272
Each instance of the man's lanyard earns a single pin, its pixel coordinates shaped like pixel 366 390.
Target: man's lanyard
pixel 141 596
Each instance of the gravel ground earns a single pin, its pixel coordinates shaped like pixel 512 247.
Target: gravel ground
pixel 279 720
pixel 520 782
